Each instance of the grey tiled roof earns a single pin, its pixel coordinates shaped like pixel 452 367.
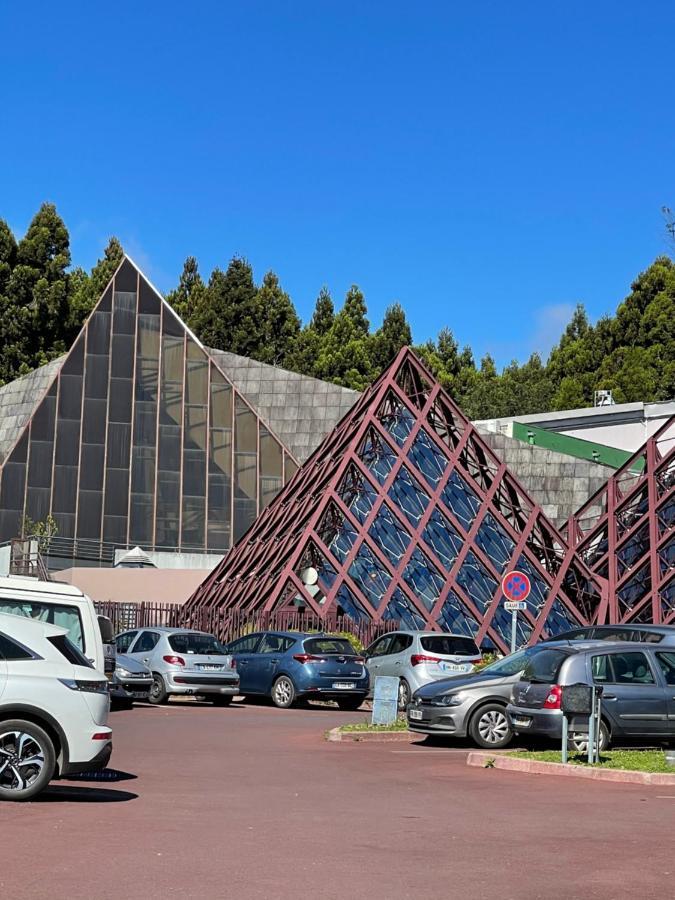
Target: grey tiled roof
pixel 299 409
pixel 19 399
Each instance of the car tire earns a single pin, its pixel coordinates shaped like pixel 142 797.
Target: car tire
pixel 32 743
pixel 489 727
pixel 220 699
pixel 349 704
pixel 158 692
pixel 580 744
pixel 404 694
pixel 283 692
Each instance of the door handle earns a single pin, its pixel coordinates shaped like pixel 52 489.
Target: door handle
pixel 147 659
pixel 397 663
pixel 242 662
pixel 608 697
pixel 275 662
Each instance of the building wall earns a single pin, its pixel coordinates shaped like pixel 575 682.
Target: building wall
pixel 135 585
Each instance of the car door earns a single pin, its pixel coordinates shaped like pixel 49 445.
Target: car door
pixel 376 656
pixel 124 641
pixel 4 645
pixel 243 651
pixel 143 647
pixel 268 658
pixel 665 659
pixel 634 699
pixel 397 656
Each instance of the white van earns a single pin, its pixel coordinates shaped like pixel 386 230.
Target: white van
pixel 64 605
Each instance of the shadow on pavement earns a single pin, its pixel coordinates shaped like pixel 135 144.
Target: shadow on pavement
pixel 66 794
pixel 103 775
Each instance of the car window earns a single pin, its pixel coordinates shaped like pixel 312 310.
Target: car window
pixel 543 667
pixel 146 642
pixel 399 643
pixel 647 637
pixel 666 663
pixel 69 651
pixel 335 645
pixel 10 650
pixel 67 617
pixel 275 643
pixel 123 641
pixel 245 644
pixel 380 647
pixel 579 634
pixel 194 642
pixel 607 634
pixel 449 645
pixel 622 668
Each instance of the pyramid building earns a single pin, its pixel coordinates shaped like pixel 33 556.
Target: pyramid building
pixel 625 533
pixel 404 513
pixel 137 436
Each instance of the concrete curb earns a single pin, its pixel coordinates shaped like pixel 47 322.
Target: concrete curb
pixel 371 736
pixel 538 767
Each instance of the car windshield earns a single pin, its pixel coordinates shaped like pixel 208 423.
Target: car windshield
pixel 339 646
pixel 196 643
pixel 510 665
pixel 449 645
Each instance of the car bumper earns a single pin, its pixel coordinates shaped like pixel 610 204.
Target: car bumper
pixel 331 693
pixel 197 683
pixel 98 762
pixel 524 720
pixel 438 719
pixel 130 689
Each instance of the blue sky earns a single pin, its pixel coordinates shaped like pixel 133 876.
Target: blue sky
pixel 488 165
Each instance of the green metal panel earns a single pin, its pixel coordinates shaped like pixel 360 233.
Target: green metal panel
pixel 571 446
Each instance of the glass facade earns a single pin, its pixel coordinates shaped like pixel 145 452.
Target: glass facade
pixel 413 521
pixel 141 439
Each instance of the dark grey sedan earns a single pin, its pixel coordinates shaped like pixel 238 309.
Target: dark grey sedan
pixel 470 705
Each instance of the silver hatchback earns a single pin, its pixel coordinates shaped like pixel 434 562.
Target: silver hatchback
pixel 419 657
pixel 183 661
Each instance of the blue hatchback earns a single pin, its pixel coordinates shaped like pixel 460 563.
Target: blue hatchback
pixel 287 665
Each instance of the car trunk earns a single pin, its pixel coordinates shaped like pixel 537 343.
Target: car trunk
pixel 201 653
pixel 446 654
pixel 539 678
pixel 332 659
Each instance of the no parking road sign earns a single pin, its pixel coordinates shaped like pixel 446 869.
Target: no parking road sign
pixel 516 587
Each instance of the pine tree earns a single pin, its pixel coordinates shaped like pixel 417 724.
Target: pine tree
pixel 324 313
pixel 280 322
pixel 38 289
pixel 393 334
pixel 190 294
pixel 229 318
pixel 345 354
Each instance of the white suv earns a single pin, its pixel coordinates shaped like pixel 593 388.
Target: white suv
pixel 53 708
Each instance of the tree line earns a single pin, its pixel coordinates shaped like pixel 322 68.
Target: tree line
pixel 44 302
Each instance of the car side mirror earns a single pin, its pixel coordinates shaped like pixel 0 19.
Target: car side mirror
pixel 106 629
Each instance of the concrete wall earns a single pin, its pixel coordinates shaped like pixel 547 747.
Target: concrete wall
pixel 135 585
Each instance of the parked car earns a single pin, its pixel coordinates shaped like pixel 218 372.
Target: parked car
pixel 471 705
pixel 651 634
pixel 131 680
pixel 182 661
pixel 418 657
pixel 288 666
pixel 53 708
pixel 638 699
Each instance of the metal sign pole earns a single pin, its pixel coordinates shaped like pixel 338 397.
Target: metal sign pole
pixel 591 730
pixel 514 622
pixel 565 737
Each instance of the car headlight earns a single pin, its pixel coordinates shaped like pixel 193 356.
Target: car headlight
pixel 447 700
pixel 125 673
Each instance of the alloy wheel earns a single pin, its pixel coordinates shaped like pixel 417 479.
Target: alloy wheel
pixel 493 726
pixel 403 694
pixel 22 760
pixel 283 692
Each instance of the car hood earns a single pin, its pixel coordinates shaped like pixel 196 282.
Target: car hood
pixel 133 666
pixel 456 682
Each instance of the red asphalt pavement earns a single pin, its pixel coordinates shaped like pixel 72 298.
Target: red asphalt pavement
pixel 251 802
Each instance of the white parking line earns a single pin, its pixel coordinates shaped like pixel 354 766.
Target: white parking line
pixel 425 751
pixel 666 797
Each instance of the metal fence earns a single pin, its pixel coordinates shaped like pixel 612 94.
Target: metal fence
pixel 227 625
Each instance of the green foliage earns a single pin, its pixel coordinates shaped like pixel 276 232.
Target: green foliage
pixel 229 316
pixel 87 289
pixel 190 293
pixel 44 531
pixel 279 321
pixel 400 724
pixel 632 760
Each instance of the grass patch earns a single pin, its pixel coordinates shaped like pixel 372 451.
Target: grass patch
pixel 633 760
pixel 401 724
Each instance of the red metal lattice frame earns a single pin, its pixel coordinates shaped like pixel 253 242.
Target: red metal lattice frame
pixel 262 570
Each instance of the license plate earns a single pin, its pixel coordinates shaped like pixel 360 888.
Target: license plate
pixel 139 695
pixel 454 667
pixel 207 668
pixel 343 685
pixel 523 721
pixel 415 713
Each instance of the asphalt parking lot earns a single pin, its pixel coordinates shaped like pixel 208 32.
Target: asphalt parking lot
pixel 250 801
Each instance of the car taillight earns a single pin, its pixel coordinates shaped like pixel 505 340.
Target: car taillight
pixel 233 663
pixel 554 698
pixel 174 660
pixel 101 736
pixel 306 658
pixel 359 660
pixel 418 658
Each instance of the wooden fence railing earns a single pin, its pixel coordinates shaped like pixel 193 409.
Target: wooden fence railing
pixel 231 624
